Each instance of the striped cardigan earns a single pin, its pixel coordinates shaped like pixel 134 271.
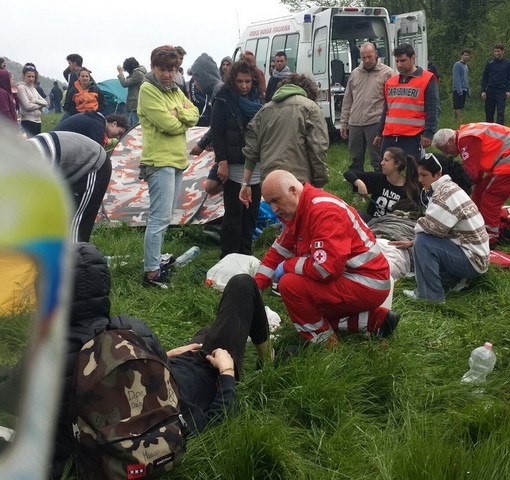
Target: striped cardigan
pixel 453 215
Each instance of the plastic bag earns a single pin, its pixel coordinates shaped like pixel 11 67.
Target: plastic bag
pixel 230 265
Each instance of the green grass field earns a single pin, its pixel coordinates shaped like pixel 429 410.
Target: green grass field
pixel 372 409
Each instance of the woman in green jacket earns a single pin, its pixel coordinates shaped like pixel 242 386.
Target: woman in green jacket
pixel 165 115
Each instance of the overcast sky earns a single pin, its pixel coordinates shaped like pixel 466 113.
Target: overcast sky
pixel 106 32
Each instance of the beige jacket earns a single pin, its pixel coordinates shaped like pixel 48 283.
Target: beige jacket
pixel 364 96
pixel 31 104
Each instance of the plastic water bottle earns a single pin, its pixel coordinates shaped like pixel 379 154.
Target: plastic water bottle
pixel 481 363
pixel 187 256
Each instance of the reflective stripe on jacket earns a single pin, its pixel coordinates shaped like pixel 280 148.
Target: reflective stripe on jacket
pixel 326 240
pixel 406 105
pixel 495 146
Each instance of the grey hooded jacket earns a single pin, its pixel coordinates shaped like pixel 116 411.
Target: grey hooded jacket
pixel 132 83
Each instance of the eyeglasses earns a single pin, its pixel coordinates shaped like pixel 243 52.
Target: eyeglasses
pixel 431 155
pixel 29 67
pixel 170 53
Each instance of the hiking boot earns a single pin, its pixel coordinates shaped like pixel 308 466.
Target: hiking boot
pixel 390 323
pixel 159 280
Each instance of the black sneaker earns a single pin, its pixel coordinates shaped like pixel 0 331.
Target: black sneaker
pixel 389 324
pixel 159 280
pixel 275 290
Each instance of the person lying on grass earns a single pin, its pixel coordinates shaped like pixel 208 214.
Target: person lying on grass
pixel 205 370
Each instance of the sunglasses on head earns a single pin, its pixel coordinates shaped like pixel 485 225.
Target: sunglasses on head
pixel 170 53
pixel 29 67
pixel 431 155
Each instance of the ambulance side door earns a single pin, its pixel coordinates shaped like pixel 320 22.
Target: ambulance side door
pixel 412 28
pixel 320 60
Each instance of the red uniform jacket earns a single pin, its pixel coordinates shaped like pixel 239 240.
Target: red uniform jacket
pixel 325 241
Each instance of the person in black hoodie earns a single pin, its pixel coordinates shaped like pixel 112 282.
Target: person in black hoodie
pixel 95 125
pixel 205 370
pixel 235 105
pixel 204 85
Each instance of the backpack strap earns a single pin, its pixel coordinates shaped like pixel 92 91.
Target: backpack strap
pixel 120 322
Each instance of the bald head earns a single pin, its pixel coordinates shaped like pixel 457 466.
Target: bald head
pixel 368 54
pixel 282 190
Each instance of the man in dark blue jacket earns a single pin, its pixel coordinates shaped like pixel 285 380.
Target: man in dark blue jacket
pixel 95 126
pixel 496 85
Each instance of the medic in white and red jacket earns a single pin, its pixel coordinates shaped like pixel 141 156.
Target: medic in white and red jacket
pixel 331 273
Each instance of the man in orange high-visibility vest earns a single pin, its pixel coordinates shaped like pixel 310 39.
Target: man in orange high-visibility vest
pixel 411 114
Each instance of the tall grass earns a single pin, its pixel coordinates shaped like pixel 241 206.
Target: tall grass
pixel 372 409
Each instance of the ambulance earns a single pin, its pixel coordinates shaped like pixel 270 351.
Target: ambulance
pixel 323 43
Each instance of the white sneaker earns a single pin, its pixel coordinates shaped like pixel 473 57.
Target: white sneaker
pixel 410 293
pixel 464 283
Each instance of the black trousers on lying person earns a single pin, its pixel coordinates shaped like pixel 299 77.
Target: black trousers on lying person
pixel 205 394
pixel 241 313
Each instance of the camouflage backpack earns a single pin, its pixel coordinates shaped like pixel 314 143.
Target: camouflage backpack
pixel 128 423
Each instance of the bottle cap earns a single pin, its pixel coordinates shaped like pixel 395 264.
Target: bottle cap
pixel 488 345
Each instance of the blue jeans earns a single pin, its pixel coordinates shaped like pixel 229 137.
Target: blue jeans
pixel 438 262
pixel 164 188
pixel 133 118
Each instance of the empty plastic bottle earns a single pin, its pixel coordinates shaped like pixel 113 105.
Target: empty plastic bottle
pixel 481 363
pixel 187 256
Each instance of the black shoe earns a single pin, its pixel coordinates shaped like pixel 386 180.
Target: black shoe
pixel 164 267
pixel 390 323
pixel 275 290
pixel 159 280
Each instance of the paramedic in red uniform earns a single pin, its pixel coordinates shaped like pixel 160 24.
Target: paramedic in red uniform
pixel 485 152
pixel 411 114
pixel 331 273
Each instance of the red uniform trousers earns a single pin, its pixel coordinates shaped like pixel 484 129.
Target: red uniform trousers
pixel 318 309
pixel 489 196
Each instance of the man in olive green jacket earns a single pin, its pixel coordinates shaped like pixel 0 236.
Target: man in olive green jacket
pixel 289 133
pixel 133 82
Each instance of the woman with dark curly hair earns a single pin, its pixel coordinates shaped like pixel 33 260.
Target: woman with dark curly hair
pixel 132 82
pixel 289 133
pixel 235 105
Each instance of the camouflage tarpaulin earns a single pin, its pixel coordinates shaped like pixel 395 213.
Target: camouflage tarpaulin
pixel 127 198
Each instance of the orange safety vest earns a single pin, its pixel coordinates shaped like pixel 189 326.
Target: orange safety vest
pixel 495 152
pixel 406 105
pixel 85 100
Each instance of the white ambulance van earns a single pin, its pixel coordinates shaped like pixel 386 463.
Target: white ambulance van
pixel 323 43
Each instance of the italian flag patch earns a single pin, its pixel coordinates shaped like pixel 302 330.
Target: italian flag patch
pixel 318 244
